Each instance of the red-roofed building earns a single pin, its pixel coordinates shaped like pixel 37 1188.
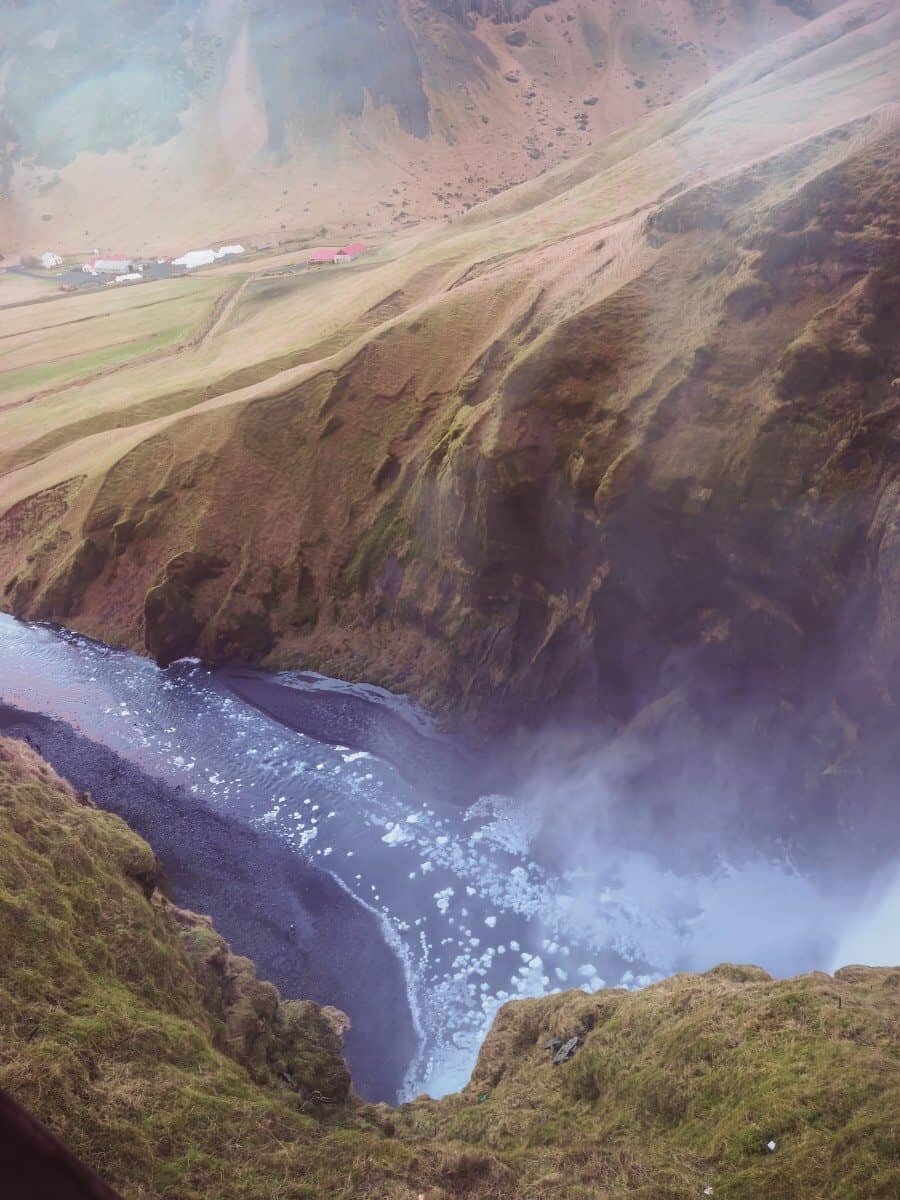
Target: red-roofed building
pixel 324 255
pixel 331 254
pixel 351 251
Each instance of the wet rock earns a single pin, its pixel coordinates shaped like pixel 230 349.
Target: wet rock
pixel 172 624
pixel 566 1051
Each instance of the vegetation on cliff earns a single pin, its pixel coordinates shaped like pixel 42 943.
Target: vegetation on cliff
pixel 128 1027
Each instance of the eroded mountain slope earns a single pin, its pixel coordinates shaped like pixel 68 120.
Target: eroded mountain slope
pixel 144 127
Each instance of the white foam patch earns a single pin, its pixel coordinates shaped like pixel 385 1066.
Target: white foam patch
pixel 396 836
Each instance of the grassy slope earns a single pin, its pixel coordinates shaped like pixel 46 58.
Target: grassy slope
pixel 682 1086
pixel 127 1026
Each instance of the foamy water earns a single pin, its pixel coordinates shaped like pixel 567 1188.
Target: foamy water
pixel 473 917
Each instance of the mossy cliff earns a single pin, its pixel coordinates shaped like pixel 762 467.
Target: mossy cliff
pixel 684 1085
pixel 128 1027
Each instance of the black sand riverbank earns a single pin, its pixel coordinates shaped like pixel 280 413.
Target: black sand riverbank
pixel 298 925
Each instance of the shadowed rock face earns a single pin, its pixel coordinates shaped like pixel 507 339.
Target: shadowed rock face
pixel 316 65
pixel 497 10
pixel 319 61
pixel 68 90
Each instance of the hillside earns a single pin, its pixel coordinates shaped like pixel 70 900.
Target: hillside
pixel 144 127
pixel 131 1031
pixel 620 441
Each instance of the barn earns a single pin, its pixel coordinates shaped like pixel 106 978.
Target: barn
pixel 336 254
pixel 114 265
pixel 324 254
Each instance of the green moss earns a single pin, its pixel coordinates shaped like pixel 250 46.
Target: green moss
pixel 128 1026
pixel 688 1081
pixel 388 528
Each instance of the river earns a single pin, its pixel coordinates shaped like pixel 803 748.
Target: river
pixel 338 840
pixel 471 919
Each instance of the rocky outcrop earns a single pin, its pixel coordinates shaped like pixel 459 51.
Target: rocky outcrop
pixel 292 1042
pixel 118 879
pixel 496 10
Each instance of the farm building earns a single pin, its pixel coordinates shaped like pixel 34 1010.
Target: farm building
pixel 115 265
pixel 205 258
pixel 351 251
pixel 337 254
pixel 194 259
pixel 324 255
pixel 49 260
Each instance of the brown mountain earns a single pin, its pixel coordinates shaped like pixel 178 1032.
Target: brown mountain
pixel 147 127
pixel 621 441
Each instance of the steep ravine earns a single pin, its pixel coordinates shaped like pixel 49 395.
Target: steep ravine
pixel 686 485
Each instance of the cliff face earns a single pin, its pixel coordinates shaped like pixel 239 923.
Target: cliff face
pixel 130 1030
